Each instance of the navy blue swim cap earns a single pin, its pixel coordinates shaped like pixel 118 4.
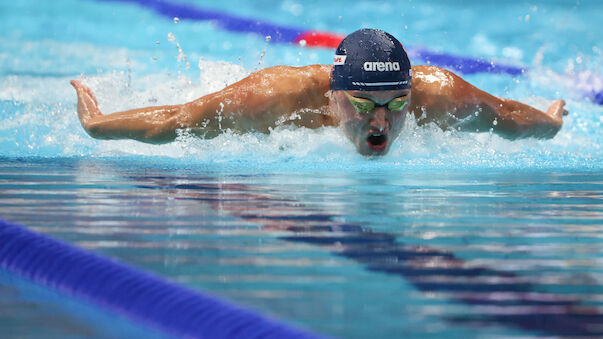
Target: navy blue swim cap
pixel 370 60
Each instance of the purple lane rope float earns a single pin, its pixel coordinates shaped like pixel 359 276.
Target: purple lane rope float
pixel 323 39
pixel 139 295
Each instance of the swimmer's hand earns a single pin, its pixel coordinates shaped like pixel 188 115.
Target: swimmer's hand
pixel 556 111
pixel 87 106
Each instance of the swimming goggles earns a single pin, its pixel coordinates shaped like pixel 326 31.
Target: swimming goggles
pixel 366 106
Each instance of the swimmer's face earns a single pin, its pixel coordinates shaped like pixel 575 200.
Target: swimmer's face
pixel 372 120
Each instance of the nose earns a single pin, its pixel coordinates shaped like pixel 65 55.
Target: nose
pixel 379 119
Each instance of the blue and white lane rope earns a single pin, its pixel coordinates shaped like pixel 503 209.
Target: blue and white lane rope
pixel 310 38
pixel 142 296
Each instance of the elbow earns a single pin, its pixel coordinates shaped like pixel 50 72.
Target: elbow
pixel 164 130
pixel 159 138
pixel 162 133
pixel 95 131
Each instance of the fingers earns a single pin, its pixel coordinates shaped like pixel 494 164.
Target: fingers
pixel 562 109
pixel 89 92
pixel 87 106
pixel 83 91
pixel 556 110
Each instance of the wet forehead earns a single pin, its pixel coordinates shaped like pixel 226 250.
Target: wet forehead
pixel 380 97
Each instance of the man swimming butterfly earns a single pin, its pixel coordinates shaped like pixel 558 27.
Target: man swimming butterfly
pixel 367 92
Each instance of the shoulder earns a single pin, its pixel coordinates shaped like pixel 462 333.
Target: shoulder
pixel 287 89
pixel 432 83
pixel 433 79
pixel 310 71
pixel 304 79
pixel 436 91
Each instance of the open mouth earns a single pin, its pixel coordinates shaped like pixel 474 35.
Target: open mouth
pixel 377 141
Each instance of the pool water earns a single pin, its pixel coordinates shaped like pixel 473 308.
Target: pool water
pixel 451 234
pixel 505 253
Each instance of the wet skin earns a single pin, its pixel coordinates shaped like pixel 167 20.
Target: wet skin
pixel 372 133
pixel 301 96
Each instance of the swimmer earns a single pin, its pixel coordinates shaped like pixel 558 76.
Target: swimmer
pixel 368 92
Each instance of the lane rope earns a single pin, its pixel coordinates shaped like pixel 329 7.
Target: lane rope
pixel 139 295
pixel 322 39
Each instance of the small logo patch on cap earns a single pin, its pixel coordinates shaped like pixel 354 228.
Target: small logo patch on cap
pixel 339 59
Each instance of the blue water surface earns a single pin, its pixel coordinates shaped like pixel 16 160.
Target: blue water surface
pixel 451 234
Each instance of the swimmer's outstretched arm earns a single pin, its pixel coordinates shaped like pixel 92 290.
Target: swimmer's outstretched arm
pixel 442 97
pixel 152 124
pixel 254 103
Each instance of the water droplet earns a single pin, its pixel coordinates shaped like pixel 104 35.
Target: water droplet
pixel 176 19
pixel 268 37
pixel 495 122
pixel 302 43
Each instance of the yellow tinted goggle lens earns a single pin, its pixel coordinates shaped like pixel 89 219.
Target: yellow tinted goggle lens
pixel 366 106
pixel 397 104
pixel 363 106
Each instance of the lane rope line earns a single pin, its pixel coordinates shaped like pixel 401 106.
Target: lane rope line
pixel 137 294
pixel 321 39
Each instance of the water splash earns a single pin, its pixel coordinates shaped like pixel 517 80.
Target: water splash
pixel 181 56
pixel 34 122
